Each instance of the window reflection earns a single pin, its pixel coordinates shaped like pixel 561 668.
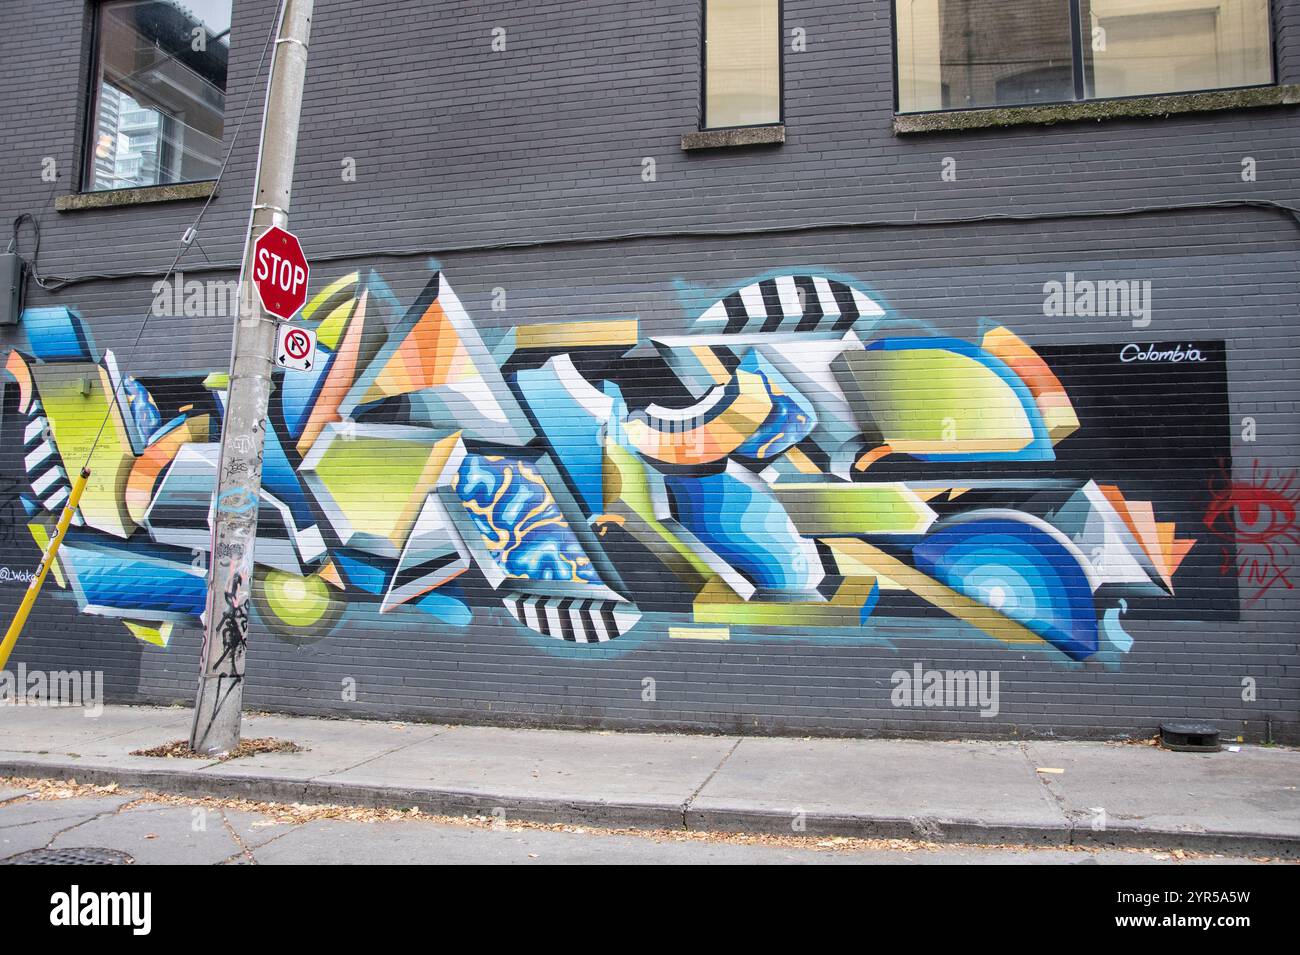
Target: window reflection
pixel 160 92
pixel 964 54
pixel 1136 47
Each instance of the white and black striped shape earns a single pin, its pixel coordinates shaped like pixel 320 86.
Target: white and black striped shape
pixel 789 303
pixel 42 462
pixel 575 619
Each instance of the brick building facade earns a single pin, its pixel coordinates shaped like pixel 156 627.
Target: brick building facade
pixel 619 433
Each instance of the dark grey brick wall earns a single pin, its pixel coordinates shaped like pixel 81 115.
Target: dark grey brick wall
pixel 522 170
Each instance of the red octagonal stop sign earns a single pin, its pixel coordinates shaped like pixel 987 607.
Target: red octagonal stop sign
pixel 280 272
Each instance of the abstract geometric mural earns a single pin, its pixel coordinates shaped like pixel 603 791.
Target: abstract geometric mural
pixel 762 468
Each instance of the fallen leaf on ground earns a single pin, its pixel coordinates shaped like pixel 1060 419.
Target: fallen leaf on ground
pixel 180 749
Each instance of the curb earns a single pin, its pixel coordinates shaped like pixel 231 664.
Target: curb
pixel 597 813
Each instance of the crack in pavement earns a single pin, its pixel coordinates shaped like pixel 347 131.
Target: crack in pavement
pixel 95 818
pixel 32 822
pixel 30 798
pixel 371 759
pixel 1051 797
pixel 290 828
pixel 143 802
pixel 686 806
pixel 243 849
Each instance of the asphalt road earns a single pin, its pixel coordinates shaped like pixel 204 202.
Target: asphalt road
pixel 165 830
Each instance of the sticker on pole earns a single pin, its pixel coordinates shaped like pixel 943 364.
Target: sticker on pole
pixel 295 348
pixel 280 272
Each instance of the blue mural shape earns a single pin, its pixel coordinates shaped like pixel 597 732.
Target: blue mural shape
pixel 519 520
pixel 1021 569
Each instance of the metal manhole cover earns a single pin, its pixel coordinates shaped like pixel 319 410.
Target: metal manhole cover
pixel 82 856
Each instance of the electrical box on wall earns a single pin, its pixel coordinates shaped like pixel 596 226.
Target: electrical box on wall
pixel 13 276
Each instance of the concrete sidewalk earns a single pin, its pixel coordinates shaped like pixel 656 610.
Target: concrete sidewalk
pixel 980 792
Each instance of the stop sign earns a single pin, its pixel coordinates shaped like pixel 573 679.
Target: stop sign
pixel 280 272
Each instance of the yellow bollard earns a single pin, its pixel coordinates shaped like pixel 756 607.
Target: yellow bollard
pixel 47 560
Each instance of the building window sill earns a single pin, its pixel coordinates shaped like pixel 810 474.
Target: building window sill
pixel 112 198
pixel 733 138
pixel 1138 106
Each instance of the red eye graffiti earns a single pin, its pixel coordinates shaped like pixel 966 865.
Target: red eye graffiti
pixel 1258 517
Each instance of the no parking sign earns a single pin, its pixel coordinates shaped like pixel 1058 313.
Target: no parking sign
pixel 295 348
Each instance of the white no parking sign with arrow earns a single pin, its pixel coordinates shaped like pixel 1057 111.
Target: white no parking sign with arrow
pixel 295 348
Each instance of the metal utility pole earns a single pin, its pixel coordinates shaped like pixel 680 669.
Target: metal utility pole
pixel 239 472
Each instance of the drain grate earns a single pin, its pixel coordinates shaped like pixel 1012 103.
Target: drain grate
pixel 82 856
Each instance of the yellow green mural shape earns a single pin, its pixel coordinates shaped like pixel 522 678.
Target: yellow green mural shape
pixel 343 467
pixel 862 508
pixel 936 401
pixel 75 399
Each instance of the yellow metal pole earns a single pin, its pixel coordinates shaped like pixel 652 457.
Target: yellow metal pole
pixel 47 560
